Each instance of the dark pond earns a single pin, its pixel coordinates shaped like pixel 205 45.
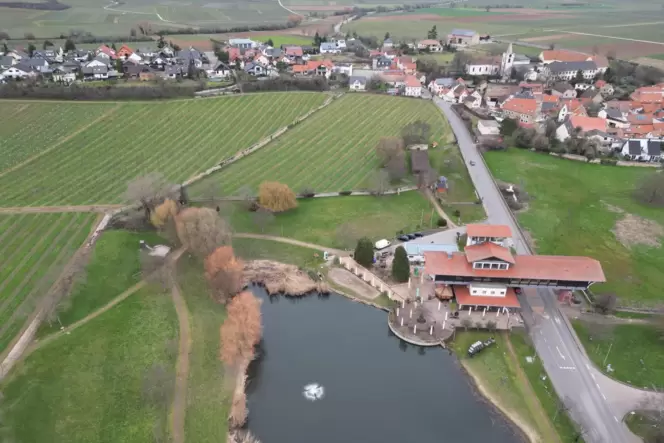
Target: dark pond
pixel 376 388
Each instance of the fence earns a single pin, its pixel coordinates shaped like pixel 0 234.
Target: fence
pixel 367 276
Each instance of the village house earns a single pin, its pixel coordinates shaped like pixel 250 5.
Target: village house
pixel 571 107
pixel 473 100
pixel 329 48
pixel 61 74
pixel 614 118
pixel 463 37
pixel 564 90
pixel 488 127
pixel 413 87
pixel 487 275
pixel 584 124
pixel 591 96
pixel 606 89
pixel 429 45
pixel 315 67
pixel 382 62
pixel 20 71
pixel 498 93
pixel 523 110
pixel 242 43
pixel 568 70
pixel 643 149
pixel 483 66
pixel 438 85
pixel 357 83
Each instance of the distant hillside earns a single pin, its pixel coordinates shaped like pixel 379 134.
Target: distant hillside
pixel 51 5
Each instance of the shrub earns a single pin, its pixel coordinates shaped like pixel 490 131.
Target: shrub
pixel 275 196
pixel 491 325
pixel 345 192
pixel 609 162
pixel 441 222
pixel 466 323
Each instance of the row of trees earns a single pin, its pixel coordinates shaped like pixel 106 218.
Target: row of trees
pixel 364 255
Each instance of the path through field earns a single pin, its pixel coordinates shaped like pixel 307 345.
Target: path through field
pixel 179 405
pixel 605 36
pixel 439 210
pixel 292 241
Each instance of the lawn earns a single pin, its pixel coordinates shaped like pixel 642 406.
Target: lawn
pixel 208 395
pixel 543 388
pixel 573 210
pixel 456 12
pixel 279 40
pixel 634 352
pixel 400 27
pixel 645 426
pixel 88 386
pixel 114 267
pixel 35 249
pixel 333 150
pixel 258 249
pixel 495 370
pixel 336 221
pixel 440 57
pixel 176 138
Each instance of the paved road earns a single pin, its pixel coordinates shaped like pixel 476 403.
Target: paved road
pixel 595 401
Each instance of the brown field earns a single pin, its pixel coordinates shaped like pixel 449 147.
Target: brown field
pixel 625 50
pixel 547 38
pixel 403 18
pixel 508 17
pixel 649 62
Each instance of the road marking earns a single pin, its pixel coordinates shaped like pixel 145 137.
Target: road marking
pixel 561 354
pixel 569 368
pixel 616 419
pixel 557 320
pixel 592 375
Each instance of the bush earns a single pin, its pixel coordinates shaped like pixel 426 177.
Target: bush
pixel 400 265
pixel 345 192
pixel 441 222
pixel 364 253
pixel 285 83
pixel 491 325
pixel 609 162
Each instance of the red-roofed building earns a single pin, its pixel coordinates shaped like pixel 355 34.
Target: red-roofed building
pixel 314 67
pixel 560 55
pixel 570 108
pixel 413 87
pixel 487 274
pixel 585 124
pixel 293 51
pixel 124 51
pixel 108 52
pixel 648 94
pixel 520 109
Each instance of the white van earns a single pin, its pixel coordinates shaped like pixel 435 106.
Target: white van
pixel 382 244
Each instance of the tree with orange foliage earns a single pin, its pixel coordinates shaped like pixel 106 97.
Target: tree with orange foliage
pixel 275 196
pixel 294 20
pixel 242 329
pixel 223 272
pixel 162 213
pixel 201 230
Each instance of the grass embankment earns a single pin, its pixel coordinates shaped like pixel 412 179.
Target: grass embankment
pixel 575 208
pixel 89 386
pixel 178 138
pixel 34 249
pixel 320 220
pixel 645 426
pixel 634 352
pixel 208 392
pixel 113 268
pixel 258 249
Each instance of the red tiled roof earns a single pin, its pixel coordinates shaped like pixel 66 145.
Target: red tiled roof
pixel 463 297
pixel 428 42
pixel 488 250
pixel 541 267
pixel 547 98
pixel 575 107
pixel 588 123
pixel 484 230
pixel 563 56
pixel 639 129
pixel 648 94
pixel 640 119
pixel 295 51
pixel 600 83
pixel 521 105
pixel 623 106
pixel 412 82
pixel 298 69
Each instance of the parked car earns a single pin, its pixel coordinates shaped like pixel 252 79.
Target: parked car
pixel 403 238
pixel 382 244
pixel 418 234
pixel 411 236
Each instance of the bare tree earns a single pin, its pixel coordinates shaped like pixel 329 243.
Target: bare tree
pixel 148 190
pixel 389 148
pixel 201 230
pixel 262 218
pixel 417 132
pixel 247 194
pixel 380 182
pixel 58 296
pixel 606 303
pixel 223 272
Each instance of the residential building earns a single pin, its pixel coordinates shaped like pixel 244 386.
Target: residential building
pixel 254 69
pixel 487 275
pixel 430 45
pixel 293 51
pixel 483 66
pixel 643 149
pixel 357 83
pixel 381 62
pixel 473 100
pixel 61 74
pixel 591 96
pixel 463 37
pixel 614 118
pixel 571 107
pixel 488 127
pixel 523 110
pixel 415 251
pixel 585 124
pixel 95 72
pixel 569 70
pixel 242 43
pixel 413 87
pixel 438 85
pixel 560 55
pixel 480 233
pixel 498 93
pixel 564 90
pixel 388 43
pixel 18 71
pixel 329 48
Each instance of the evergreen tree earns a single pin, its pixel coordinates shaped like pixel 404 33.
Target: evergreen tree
pixel 161 42
pixel 387 35
pixel 364 253
pixel 433 33
pixel 184 197
pixel 31 49
pixel 269 42
pixel 400 265
pixel 69 45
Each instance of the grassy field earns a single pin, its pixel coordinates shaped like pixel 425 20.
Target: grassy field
pixel 455 12
pixel 323 220
pixel 331 151
pixel 88 386
pixel 208 395
pixel 175 138
pixel 644 425
pixel 573 210
pixel 632 350
pixel 113 267
pixel 35 249
pixel 279 40
pixel 258 249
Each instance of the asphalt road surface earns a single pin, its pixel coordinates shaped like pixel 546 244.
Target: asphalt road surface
pixel 573 376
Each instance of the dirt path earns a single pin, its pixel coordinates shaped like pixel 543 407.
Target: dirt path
pixel 605 36
pixel 543 423
pixel 347 279
pixel 439 210
pixel 56 209
pixel 179 405
pixel 292 242
pixel 61 141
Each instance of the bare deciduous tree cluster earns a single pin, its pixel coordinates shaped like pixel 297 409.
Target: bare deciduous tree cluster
pixel 223 272
pixel 275 196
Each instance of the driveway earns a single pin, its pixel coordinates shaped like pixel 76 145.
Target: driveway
pixel 595 401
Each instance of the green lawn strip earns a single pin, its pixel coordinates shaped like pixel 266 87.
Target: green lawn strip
pixel 259 249
pixel 634 315
pixel 88 386
pixel 644 425
pixel 632 350
pixel 80 173
pixel 469 213
pixel 573 211
pixel 114 267
pixel 317 220
pixel 495 371
pixel 279 40
pixel 543 388
pixel 208 393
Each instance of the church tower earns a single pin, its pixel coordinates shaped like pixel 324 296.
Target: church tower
pixel 507 62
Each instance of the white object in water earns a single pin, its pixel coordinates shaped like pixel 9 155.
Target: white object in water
pixel 313 392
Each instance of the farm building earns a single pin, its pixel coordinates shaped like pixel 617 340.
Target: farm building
pixel 463 37
pixel 419 162
pixel 488 127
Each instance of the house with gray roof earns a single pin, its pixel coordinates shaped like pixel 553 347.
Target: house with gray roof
pixel 643 149
pixel 564 90
pixel 329 48
pixel 38 64
pixel 357 83
pixel 568 70
pixel 614 118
